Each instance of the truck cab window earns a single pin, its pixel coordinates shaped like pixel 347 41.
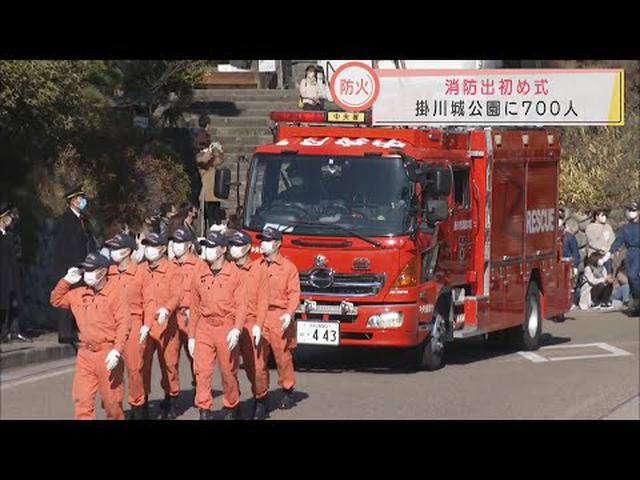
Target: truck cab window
pixel 461 187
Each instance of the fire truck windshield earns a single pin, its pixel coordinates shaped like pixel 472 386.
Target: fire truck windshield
pixel 368 195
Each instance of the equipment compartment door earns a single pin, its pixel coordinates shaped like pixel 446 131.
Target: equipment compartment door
pixel 507 242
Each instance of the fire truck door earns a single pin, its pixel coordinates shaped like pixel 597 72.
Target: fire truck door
pixel 461 246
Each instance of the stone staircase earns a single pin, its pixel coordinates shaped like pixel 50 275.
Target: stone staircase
pixel 239 120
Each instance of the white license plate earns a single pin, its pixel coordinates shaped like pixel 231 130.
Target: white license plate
pixel 319 333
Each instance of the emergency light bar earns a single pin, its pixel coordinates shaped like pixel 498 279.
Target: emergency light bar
pixel 362 118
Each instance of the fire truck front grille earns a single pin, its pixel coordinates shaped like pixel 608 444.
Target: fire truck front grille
pixel 350 285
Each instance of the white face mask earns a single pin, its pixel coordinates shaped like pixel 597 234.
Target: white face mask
pixel 153 253
pixel 631 215
pixel 119 255
pixel 94 278
pixel 179 249
pixel 602 219
pixel 237 252
pixel 267 248
pixel 212 254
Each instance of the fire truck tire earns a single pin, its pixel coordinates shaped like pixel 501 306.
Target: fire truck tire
pixel 527 337
pixel 429 355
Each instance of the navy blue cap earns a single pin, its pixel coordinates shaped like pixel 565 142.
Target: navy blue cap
pixel 215 239
pixel 269 234
pixel 239 238
pixel 94 260
pixel 74 192
pixel 121 240
pixel 634 206
pixel 182 235
pixel 155 239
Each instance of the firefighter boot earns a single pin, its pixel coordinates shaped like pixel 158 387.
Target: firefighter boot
pixel 231 413
pixel 140 412
pixel 206 414
pixel 259 409
pixel 168 407
pixel 287 399
pixel 144 410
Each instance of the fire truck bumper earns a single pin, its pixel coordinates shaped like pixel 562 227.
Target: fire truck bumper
pixel 390 325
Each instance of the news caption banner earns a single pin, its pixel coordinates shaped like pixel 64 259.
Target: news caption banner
pixel 482 97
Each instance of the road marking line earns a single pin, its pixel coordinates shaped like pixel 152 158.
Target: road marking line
pixel 534 357
pixel 36 378
pixel 613 352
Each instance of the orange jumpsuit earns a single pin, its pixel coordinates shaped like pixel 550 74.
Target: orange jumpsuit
pixel 218 304
pixel 130 280
pixel 104 324
pixel 162 288
pixel 284 297
pixel 255 277
pixel 187 269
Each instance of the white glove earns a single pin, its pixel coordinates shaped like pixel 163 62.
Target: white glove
pixel 286 321
pixel 575 271
pixel 112 359
pixel 162 314
pixel 232 338
pixel 257 333
pixel 191 345
pixel 73 275
pixel 144 331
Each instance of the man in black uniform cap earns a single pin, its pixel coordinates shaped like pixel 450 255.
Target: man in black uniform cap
pixel 73 240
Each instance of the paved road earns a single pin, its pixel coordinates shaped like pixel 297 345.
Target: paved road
pixel 480 381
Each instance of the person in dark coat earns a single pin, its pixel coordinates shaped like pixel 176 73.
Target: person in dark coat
pixel 73 240
pixel 10 279
pixel 629 236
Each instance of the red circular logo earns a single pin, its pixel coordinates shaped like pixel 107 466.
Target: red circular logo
pixel 354 86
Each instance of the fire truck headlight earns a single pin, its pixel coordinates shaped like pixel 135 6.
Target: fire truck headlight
pixel 385 320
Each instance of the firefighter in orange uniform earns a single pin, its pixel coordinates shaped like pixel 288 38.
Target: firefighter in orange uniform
pixel 129 276
pixel 162 292
pixel 101 313
pixel 217 316
pixel 187 263
pixel 279 335
pixel 255 277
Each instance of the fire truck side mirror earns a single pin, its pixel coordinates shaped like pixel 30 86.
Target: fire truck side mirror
pixel 222 184
pixel 437 210
pixel 439 181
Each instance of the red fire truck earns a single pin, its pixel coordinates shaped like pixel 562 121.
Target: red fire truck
pixel 412 237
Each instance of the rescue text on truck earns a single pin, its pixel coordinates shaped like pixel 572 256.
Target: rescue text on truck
pixel 410 238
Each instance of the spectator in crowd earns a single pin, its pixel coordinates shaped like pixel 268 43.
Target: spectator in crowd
pixel 10 277
pixel 323 87
pixel 600 235
pixel 621 288
pixel 570 251
pixel 569 243
pixel 187 213
pixel 310 92
pixel 208 160
pixel 598 284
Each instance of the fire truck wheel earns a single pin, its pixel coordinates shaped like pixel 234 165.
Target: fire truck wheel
pixel 429 355
pixel 528 336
